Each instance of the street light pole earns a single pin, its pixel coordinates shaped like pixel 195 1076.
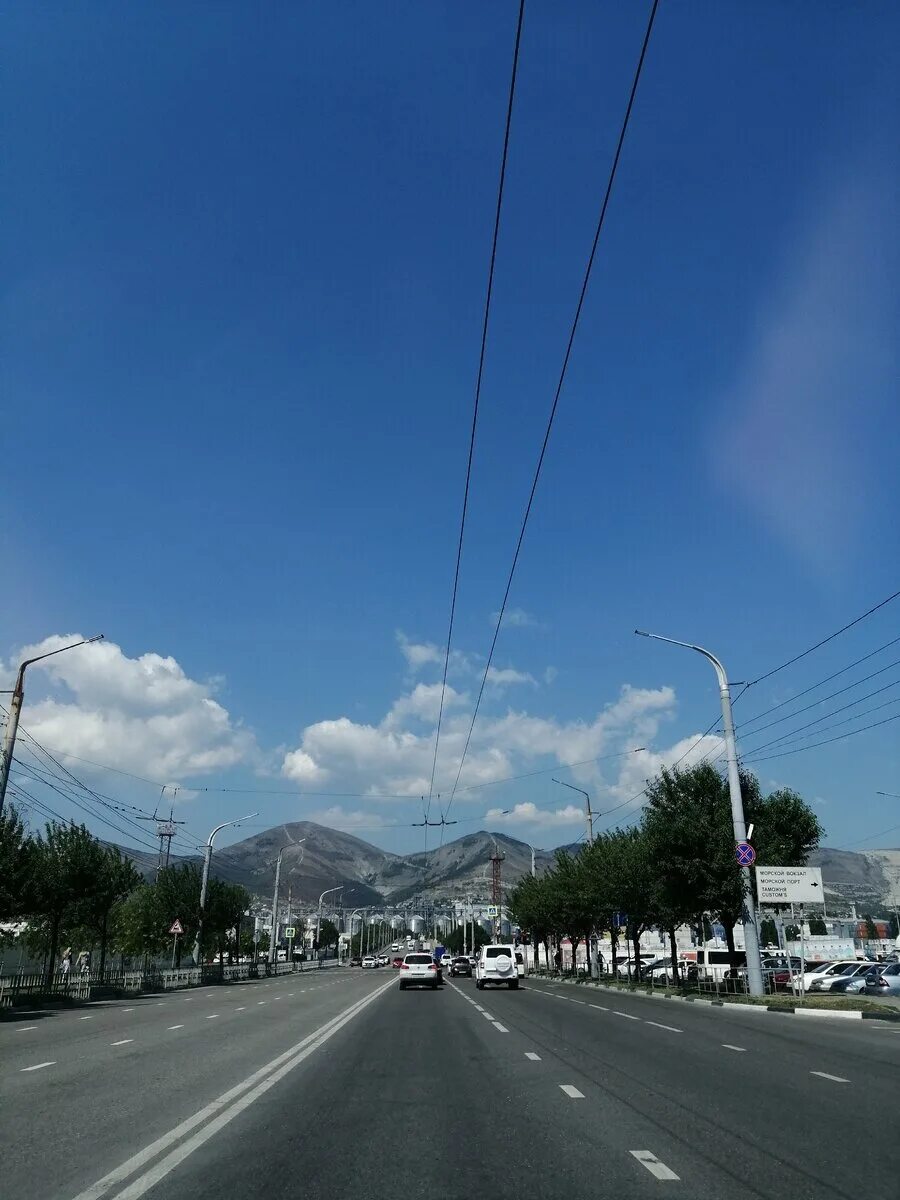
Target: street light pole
pixel 204 882
pixel 589 816
pixel 273 936
pixel 748 914
pixel 327 892
pixel 15 708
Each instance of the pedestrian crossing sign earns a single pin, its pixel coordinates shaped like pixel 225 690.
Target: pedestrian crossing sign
pixel 176 927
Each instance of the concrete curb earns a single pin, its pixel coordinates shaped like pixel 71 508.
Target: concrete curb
pixel 787 1011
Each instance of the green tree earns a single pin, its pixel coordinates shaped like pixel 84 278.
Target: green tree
pixel 817 927
pixel 116 879
pixel 17 866
pixel 453 942
pixel 768 932
pixel 328 933
pixel 68 864
pixel 871 928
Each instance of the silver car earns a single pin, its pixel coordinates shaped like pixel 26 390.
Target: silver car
pixel 827 984
pixel 853 985
pixel 886 982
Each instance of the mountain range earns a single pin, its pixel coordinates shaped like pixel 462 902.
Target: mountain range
pixel 316 858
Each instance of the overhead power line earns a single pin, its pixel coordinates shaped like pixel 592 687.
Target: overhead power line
pixel 837 633
pixel 478 379
pixel 839 738
pixel 824 717
pixel 559 386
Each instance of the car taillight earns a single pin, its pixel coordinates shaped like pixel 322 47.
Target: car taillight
pixel 404 966
pixel 432 966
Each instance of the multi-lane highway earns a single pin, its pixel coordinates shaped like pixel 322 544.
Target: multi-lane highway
pixel 301 1085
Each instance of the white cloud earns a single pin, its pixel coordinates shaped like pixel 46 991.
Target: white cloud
pixel 505 676
pixel 550 674
pixel 636 769
pixel 390 758
pixel 529 814
pixel 143 715
pixel 516 618
pixel 338 817
pixel 423 703
pixel 418 654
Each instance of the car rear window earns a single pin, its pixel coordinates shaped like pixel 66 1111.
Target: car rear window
pixel 460 960
pixel 418 959
pixel 498 952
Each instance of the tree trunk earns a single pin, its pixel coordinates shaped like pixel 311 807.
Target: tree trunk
pixel 103 925
pixel 729 942
pixel 636 942
pixel 673 950
pixel 614 950
pixel 53 951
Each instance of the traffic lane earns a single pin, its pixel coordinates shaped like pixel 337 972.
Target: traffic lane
pixel 715 1107
pixel 862 1043
pixel 418 1063
pixel 95 1110
pixel 72 1033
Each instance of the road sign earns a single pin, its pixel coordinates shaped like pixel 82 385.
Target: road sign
pixel 290 932
pixel 620 919
pixel 790 885
pixel 177 927
pixel 493 910
pixel 745 854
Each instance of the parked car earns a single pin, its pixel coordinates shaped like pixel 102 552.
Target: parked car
pixel 854 985
pixel 816 969
pixel 886 982
pixel 418 970
pixel 355 961
pixel 461 966
pixel 370 961
pixel 825 982
pixel 496 964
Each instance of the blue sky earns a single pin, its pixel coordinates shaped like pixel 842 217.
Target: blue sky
pixel 244 266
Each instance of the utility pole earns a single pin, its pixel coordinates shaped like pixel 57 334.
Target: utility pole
pixel 15 709
pixel 496 890
pixel 204 883
pixel 273 939
pixel 748 914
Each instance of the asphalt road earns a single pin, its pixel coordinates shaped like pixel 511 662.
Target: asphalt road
pixel 298 1086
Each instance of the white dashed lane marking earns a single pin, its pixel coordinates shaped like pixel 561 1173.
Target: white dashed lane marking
pixel 127 1010
pixel 671 1028
pixel 123 1042
pixel 572 1091
pixel 653 1165
pixel 241 1008
pixel 627 1016
pixel 599 1006
pixel 211 1016
pixel 534 1057
pixel 739 1049
pixel 176 1027
pixel 39 1066
pixel 498 1026
pixel 833 1078
pixel 25 1028
pixel 89 1018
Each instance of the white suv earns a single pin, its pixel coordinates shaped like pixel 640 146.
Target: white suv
pixel 419 970
pixel 496 964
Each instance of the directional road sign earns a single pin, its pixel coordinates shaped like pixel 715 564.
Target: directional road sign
pixel 290 932
pixel 789 885
pixel 177 927
pixel 745 854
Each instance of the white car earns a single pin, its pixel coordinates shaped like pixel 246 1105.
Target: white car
pixel 370 961
pixel 496 964
pixel 825 981
pixel 384 960
pixel 395 946
pixel 821 971
pixel 418 970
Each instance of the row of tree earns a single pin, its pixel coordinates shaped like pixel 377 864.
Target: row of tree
pixel 676 867
pixel 72 890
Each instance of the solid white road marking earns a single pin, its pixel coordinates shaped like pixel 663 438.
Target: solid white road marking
pixel 833 1078
pixel 176 1027
pixel 739 1049
pixel 572 1091
pixel 25 1028
pixel 498 1026
pixel 653 1165
pixel 222 1110
pixel 39 1066
pixel 671 1028
pixel 123 1042
pixel 534 1057
pixel 627 1016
